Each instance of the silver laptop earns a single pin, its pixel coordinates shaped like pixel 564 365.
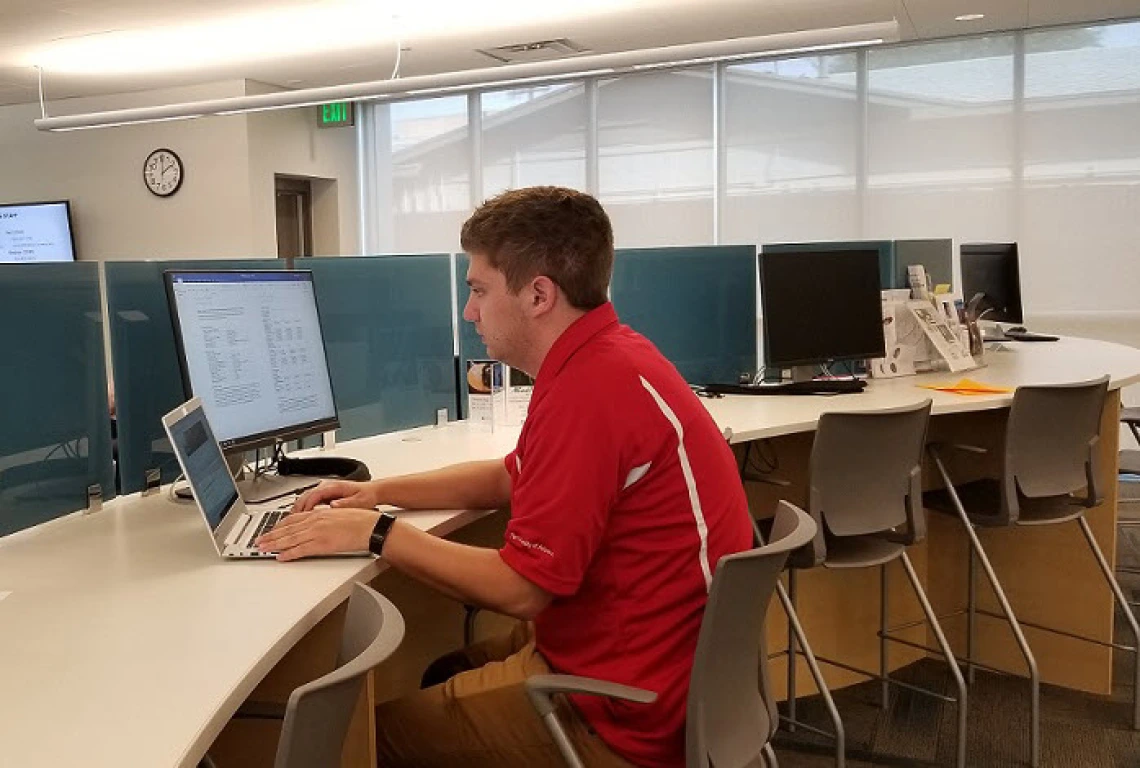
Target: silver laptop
pixel 233 526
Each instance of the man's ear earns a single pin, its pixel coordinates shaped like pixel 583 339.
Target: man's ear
pixel 543 295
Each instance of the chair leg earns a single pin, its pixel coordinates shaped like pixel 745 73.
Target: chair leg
pixel 885 689
pixel 562 740
pixel 1118 593
pixel 971 605
pixel 948 652
pixel 1007 610
pixel 817 675
pixel 770 757
pixel 470 612
pixel 791 670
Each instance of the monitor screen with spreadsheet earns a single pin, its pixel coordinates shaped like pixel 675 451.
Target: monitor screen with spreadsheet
pixel 251 348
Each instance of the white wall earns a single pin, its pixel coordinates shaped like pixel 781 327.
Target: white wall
pixel 225 208
pixel 100 171
pixel 288 142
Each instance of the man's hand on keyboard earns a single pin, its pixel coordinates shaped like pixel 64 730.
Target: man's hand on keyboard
pixel 320 532
pixel 338 493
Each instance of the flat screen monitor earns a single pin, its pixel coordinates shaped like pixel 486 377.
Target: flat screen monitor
pixel 250 347
pixel 36 232
pixel 991 269
pixel 820 306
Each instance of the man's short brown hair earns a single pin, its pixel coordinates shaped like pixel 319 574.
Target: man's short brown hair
pixel 553 231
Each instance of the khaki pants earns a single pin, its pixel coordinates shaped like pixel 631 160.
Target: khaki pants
pixel 483 717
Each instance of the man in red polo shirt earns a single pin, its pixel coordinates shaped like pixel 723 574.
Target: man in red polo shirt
pixel 623 497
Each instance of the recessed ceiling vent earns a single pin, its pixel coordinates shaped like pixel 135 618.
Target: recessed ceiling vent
pixel 540 50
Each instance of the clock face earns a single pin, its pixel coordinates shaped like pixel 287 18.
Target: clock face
pixel 162 172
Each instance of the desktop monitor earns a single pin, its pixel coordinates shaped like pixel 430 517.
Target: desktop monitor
pixel 250 347
pixel 991 269
pixel 819 307
pixel 36 232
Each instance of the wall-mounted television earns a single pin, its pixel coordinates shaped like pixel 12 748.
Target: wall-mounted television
pixel 36 232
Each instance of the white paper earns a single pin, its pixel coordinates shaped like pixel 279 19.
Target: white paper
pixel 4 594
pixel 900 357
pixel 944 339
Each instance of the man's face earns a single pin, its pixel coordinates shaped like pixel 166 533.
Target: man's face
pixel 498 314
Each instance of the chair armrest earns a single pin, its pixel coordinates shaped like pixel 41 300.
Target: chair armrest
pixel 958 446
pixel 261 710
pixel 540 688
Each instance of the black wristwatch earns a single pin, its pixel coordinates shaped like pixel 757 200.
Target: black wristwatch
pixel 380 533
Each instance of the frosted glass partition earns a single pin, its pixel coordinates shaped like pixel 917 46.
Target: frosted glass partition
pixel 55 433
pixel 387 328
pixel 697 304
pixel 147 379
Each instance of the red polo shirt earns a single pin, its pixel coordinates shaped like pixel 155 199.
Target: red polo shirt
pixel 624 495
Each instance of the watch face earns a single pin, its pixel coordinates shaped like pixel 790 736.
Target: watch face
pixel 162 172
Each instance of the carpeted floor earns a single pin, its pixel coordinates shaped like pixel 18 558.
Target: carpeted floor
pixel 1076 729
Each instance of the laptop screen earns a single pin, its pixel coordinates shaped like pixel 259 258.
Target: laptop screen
pixel 205 466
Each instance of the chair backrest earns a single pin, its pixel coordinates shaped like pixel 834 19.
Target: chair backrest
pixel 730 718
pixel 866 472
pixel 318 713
pixel 1050 442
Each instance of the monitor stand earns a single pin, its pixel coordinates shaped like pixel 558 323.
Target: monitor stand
pixel 994 331
pixel 804 372
pixel 268 486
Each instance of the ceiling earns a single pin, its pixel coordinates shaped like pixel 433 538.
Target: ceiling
pixel 92 47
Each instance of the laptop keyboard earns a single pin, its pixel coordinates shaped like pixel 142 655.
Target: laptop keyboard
pixel 268 521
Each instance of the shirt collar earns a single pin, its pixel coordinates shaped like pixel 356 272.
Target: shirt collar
pixel 574 338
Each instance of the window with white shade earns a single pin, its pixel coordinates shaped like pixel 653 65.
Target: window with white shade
pixel 791 129
pixel 655 157
pixel 1081 189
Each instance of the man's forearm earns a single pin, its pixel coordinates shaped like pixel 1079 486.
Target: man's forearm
pixel 470 574
pixel 472 485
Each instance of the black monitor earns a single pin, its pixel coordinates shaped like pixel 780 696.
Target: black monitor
pixel 36 232
pixel 819 307
pixel 250 347
pixel 991 269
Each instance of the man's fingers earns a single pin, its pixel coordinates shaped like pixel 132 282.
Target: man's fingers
pixel 355 501
pixel 288 526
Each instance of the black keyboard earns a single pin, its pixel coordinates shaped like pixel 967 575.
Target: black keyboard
pixel 822 387
pixel 1029 336
pixel 268 520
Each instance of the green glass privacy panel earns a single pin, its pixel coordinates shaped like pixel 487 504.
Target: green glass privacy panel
pixel 387 328
pixel 55 432
pixel 937 256
pixel 147 379
pixel 471 347
pixel 698 305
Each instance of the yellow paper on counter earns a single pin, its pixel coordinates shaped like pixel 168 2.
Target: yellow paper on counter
pixel 968 387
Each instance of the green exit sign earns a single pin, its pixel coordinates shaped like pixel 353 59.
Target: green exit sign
pixel 336 114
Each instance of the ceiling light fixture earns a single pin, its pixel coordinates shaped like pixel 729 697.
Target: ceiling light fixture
pixel 557 70
pixel 970 17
